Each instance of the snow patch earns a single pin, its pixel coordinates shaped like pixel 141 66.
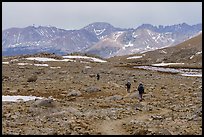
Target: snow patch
pixel 40 59
pixel 88 67
pixel 192 57
pixel 116 35
pixel 41 65
pixel 199 53
pixel 129 44
pixel 192 75
pixel 16 98
pixel 98 32
pixel 182 72
pixel 148 47
pixel 13 60
pixel 134 35
pixel 150 33
pixel 5 62
pixel 55 67
pixel 168 33
pixel 166 64
pixel 134 57
pixel 22 64
pixel 85 57
pixel 18 38
pixel 135 50
pixel 162 51
pixel 196 54
pixel 46 59
pixel 200 32
pixel 84 62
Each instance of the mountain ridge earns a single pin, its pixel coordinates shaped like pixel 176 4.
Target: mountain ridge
pixel 34 39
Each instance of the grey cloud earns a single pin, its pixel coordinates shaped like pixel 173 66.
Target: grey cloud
pixel 75 15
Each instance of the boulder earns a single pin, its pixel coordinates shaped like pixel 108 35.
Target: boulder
pixel 74 93
pixel 92 75
pixel 93 89
pixel 44 103
pixel 33 78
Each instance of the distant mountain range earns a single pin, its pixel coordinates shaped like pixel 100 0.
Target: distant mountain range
pixel 98 38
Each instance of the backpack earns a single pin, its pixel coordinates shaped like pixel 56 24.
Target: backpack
pixel 141 89
pixel 128 84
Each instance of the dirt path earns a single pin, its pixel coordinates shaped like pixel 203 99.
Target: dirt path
pixel 114 127
pixel 111 127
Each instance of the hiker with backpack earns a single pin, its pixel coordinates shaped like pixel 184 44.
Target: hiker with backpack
pixel 141 91
pixel 98 76
pixel 128 84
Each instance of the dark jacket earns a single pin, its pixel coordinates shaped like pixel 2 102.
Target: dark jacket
pixel 128 84
pixel 140 89
pixel 98 76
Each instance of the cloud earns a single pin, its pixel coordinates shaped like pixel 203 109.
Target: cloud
pixel 75 15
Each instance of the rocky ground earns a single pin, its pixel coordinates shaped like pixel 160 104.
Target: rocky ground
pixel 172 103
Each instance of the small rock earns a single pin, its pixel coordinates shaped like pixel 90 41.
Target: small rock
pixel 63 72
pixel 163 87
pixel 183 85
pixel 13 91
pixel 92 75
pixel 21 67
pixel 14 116
pixel 158 117
pixel 87 67
pixel 30 89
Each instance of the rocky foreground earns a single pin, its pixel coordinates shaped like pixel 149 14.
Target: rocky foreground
pixel 76 103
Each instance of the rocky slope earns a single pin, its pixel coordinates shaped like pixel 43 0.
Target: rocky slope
pixel 82 105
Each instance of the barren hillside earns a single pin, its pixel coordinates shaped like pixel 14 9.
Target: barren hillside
pixel 75 102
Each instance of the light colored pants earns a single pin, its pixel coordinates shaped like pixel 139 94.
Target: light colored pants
pixel 140 97
pixel 128 90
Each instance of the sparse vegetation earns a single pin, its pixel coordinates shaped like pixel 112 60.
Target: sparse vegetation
pixel 84 105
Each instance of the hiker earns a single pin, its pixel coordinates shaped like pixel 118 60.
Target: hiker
pixel 98 76
pixel 128 84
pixel 141 90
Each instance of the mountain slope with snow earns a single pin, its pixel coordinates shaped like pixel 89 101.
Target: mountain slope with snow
pixel 140 40
pixel 98 38
pixel 188 53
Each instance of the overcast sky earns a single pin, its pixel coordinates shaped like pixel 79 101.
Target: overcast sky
pixel 76 15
